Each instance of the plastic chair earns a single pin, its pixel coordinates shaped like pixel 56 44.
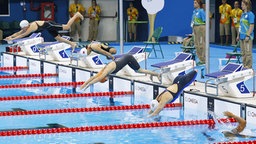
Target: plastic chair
pixel 5 27
pixel 154 40
pixel 234 54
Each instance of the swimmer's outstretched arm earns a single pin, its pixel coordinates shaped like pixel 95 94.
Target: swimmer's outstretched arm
pixel 241 122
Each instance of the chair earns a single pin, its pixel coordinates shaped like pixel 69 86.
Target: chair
pixel 234 54
pixel 5 27
pixel 189 46
pixel 154 40
pixel 230 80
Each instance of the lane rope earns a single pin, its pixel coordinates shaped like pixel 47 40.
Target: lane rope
pixel 60 84
pixel 28 76
pixel 59 96
pixel 110 127
pixel 87 109
pixel 13 68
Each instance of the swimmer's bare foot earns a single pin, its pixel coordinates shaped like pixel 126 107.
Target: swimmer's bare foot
pixel 78 14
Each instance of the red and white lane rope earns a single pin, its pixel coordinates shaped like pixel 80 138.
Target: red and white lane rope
pixel 58 96
pixel 109 127
pixel 28 76
pixel 77 110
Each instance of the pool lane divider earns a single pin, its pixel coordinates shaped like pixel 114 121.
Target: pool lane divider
pixel 79 110
pixel 60 84
pixel 13 68
pixel 28 76
pixel 75 95
pixel 110 127
pixel 238 142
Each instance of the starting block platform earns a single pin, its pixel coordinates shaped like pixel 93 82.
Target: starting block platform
pixel 55 50
pixel 230 81
pixel 177 66
pixel 80 58
pixel 28 44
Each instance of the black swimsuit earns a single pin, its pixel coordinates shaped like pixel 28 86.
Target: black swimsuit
pixel 52 27
pixel 182 81
pixel 124 60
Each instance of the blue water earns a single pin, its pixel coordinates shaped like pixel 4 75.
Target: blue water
pixel 166 135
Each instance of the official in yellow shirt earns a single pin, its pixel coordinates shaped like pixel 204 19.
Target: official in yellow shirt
pixel 76 26
pixel 225 11
pixel 132 14
pixel 94 15
pixel 235 21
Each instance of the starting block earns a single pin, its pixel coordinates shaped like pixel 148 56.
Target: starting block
pixel 230 80
pixel 28 44
pixel 82 59
pixel 177 66
pixel 56 50
pixel 140 54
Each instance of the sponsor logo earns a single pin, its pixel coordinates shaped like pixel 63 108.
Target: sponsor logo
pixel 191 100
pixel 251 114
pixel 32 63
pixel 64 71
pixel 140 88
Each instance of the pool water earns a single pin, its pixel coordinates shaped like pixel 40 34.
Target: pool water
pixel 165 135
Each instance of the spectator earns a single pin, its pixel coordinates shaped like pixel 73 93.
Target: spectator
pixel 94 15
pixel 235 17
pixel 198 24
pixel 132 13
pixel 76 26
pixel 225 11
pixel 246 33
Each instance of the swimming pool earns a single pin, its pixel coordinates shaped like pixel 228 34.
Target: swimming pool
pixel 100 119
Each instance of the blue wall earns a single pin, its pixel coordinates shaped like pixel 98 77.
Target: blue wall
pixel 175 17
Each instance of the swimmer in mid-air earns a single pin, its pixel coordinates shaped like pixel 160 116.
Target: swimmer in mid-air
pixel 171 93
pixel 52 27
pixel 115 66
pixel 101 48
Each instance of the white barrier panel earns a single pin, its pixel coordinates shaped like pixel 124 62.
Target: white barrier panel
pixel 7 60
pixel 82 75
pixel 34 66
pixel 221 106
pixel 195 106
pixel 250 115
pixel 50 68
pixel 65 74
pixel 21 61
pixel 100 87
pixel 120 84
pixel 143 93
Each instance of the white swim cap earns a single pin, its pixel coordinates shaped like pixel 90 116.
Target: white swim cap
pixel 24 23
pixel 154 105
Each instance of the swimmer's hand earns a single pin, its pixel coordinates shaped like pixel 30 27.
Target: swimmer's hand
pixel 84 86
pixel 8 38
pixel 228 114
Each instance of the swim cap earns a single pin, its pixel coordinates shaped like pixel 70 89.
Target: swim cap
pixel 24 23
pixel 154 105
